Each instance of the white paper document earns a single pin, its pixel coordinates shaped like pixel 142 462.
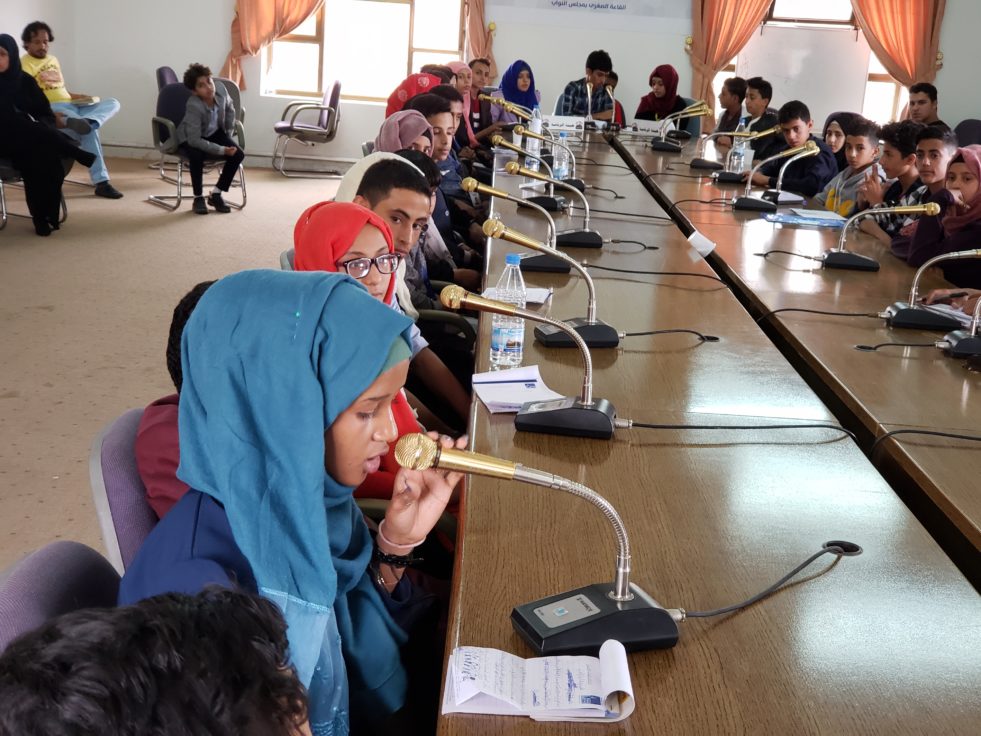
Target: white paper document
pixel 948 311
pixel 505 392
pixel 588 689
pixel 533 294
pixel 816 214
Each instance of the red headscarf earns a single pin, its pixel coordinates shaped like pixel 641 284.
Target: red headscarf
pixel 327 230
pixel 414 84
pixel 970 155
pixel 661 106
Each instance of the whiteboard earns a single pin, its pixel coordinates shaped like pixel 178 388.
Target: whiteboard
pixel 825 68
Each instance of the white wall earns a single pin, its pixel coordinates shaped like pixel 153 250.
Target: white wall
pixel 957 83
pixel 112 48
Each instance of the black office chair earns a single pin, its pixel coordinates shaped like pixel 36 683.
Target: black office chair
pixel 968 132
pixel 165 76
pixel 289 129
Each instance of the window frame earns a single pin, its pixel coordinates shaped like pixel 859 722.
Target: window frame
pixel 320 40
pixel 771 18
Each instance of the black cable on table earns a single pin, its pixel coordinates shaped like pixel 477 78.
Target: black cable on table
pixel 788 253
pixel 838 549
pixel 616 195
pixel 873 348
pixel 645 246
pixel 933 433
pixel 655 273
pixel 816 311
pixel 696 333
pixel 623 214
pixel 746 427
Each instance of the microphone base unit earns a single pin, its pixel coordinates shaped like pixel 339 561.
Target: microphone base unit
pixel 779 196
pixel 960 344
pixel 577 183
pixel 544 263
pixel 579 239
pixel 596 334
pixel 850 261
pixel 754 203
pixel 579 621
pixel 729 177
pixel 567 417
pixel 548 159
pixel 552 204
pixel 679 135
pixel 659 144
pixel 902 315
pixel 704 163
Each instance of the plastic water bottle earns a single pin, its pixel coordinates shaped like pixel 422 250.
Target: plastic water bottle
pixel 737 156
pixel 508 333
pixel 560 157
pixel 533 145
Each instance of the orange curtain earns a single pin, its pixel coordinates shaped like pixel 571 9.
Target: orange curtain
pixel 904 35
pixel 720 29
pixel 257 24
pixel 480 38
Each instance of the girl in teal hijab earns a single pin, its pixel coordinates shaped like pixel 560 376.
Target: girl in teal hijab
pixel 288 375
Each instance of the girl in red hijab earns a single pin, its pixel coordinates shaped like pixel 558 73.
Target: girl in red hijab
pixel 414 84
pixel 663 98
pixel 958 226
pixel 347 238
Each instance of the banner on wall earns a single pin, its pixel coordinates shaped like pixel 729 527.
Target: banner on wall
pixel 625 14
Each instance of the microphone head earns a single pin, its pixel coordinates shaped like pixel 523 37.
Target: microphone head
pixel 452 296
pixel 512 167
pixel 493 228
pixel 931 208
pixel 469 184
pixel 810 146
pixel 497 140
pixel 416 451
pixel 519 129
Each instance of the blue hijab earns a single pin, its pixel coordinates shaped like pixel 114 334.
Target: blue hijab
pixel 509 85
pixel 270 360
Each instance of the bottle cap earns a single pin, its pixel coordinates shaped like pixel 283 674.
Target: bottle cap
pixel 563 134
pixel 512 259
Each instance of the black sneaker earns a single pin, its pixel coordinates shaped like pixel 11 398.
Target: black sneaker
pixel 218 203
pixel 200 207
pixel 107 190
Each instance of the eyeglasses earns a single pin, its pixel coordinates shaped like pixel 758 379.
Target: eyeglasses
pixel 386 263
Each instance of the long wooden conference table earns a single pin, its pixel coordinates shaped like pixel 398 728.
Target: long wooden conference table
pixel 885 642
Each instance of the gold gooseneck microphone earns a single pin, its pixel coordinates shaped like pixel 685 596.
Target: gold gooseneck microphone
pixel 661 142
pixel 595 333
pixel 622 610
pixel 526 133
pixel 911 314
pixel 748 202
pixel 549 201
pixel 578 417
pixel 472 185
pixel 513 108
pixel 701 163
pixel 841 258
pixel 498 140
pixel 583 238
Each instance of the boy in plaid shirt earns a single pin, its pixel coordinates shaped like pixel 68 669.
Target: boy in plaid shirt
pixel 904 188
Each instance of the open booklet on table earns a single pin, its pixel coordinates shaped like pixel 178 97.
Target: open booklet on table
pixel 568 688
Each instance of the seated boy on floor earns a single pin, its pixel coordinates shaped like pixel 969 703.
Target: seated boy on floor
pixel 805 176
pixel 841 194
pixel 206 129
pixel 898 161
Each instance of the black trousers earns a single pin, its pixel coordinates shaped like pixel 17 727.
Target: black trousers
pixel 196 158
pixel 36 150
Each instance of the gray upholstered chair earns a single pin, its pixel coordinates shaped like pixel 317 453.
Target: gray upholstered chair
pixel 56 579
pixel 290 129
pixel 236 94
pixel 125 517
pixel 171 103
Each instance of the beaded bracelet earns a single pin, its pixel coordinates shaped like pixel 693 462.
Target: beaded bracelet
pixel 400 561
pixel 399 547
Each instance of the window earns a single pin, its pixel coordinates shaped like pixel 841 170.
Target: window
pixel 837 12
pixel 885 98
pixel 369 45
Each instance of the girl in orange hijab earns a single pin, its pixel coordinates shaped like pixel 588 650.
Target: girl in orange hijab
pixel 347 238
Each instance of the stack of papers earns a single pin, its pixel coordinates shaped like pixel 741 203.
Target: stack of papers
pixel 817 214
pixel 581 689
pixel 787 218
pixel 948 311
pixel 505 392
pixel 533 294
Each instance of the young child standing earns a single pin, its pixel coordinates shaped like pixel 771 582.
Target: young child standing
pixel 898 161
pixel 861 151
pixel 205 131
